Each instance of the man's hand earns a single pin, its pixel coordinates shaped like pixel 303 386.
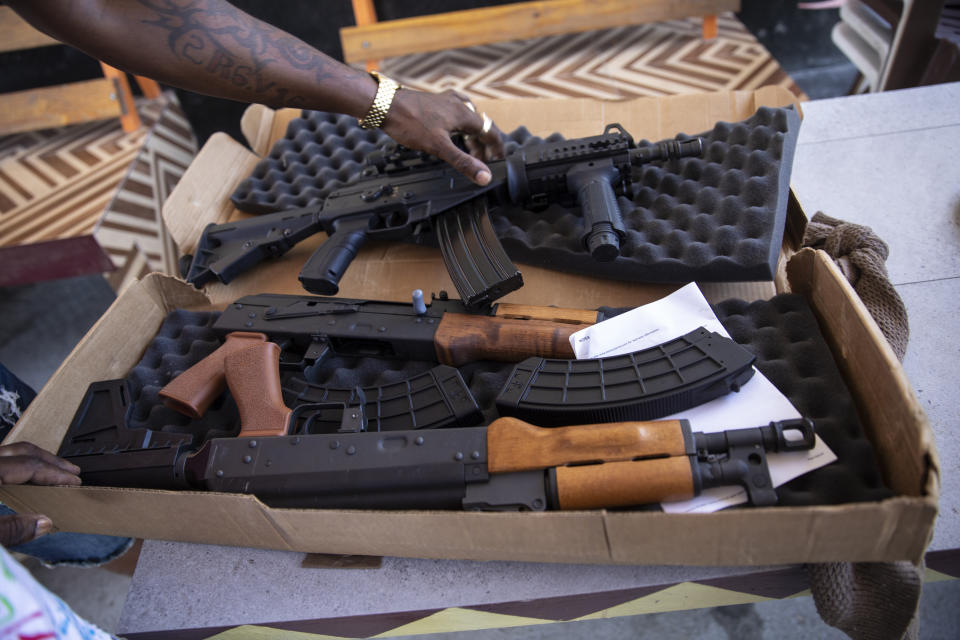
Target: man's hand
pixel 425 121
pixel 23 463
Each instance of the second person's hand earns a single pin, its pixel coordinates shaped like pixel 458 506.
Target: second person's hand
pixel 23 463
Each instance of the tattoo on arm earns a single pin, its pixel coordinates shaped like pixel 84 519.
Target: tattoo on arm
pixel 233 46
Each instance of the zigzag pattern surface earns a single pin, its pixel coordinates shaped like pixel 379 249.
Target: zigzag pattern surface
pixel 753 587
pixel 646 60
pixel 95 180
pixel 55 183
pixel 132 229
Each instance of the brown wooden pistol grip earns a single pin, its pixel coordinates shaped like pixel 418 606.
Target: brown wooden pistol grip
pixel 515 445
pixel 192 392
pixel 462 338
pixel 624 484
pixel 253 375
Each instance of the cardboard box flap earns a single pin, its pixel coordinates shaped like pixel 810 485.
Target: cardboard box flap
pixel 202 196
pixel 111 348
pixel 544 536
pixel 232 519
pixel 795 533
pixel 170 293
pixel 907 456
pixel 650 118
pixel 262 126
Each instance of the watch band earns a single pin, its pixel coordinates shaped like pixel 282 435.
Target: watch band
pixel 386 89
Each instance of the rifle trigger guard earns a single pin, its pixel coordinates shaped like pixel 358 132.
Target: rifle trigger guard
pixel 352 417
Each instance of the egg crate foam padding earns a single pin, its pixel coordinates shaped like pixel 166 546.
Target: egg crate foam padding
pixel 782 332
pixel 719 217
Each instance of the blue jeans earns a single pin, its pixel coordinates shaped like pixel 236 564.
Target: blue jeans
pixel 60 547
pixel 15 395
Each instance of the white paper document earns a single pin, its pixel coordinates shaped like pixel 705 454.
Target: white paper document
pixel 756 404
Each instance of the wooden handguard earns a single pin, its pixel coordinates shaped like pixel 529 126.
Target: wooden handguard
pixel 514 445
pixel 624 484
pixel 253 375
pixel 463 338
pixel 192 392
pixel 583 317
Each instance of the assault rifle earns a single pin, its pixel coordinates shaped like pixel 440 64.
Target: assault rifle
pixel 509 465
pixel 547 386
pixel 402 194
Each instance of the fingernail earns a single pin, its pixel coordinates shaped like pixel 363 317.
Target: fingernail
pixel 44 526
pixel 483 176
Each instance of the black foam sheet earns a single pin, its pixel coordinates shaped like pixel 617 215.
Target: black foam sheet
pixel 719 217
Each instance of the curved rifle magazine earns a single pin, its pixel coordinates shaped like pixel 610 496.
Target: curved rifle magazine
pixel 476 261
pixel 643 385
pixel 431 400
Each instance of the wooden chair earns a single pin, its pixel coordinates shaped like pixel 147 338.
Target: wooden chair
pixel 371 40
pixel 59 105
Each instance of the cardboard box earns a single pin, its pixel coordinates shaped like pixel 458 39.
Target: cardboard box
pixel 896 529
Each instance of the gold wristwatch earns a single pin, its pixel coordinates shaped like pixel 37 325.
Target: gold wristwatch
pixel 386 89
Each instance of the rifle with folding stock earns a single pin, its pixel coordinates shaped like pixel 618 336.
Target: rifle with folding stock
pixel 508 465
pixel 297 332
pixel 402 194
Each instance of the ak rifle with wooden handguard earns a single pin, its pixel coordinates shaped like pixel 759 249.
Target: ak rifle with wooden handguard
pixel 547 386
pixel 403 193
pixel 309 329
pixel 508 465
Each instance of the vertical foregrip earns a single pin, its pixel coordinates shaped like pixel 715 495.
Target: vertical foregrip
pixel 462 338
pixel 624 484
pixel 192 392
pixel 602 220
pixel 253 375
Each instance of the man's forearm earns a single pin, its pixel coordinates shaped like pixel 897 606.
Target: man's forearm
pixel 207 46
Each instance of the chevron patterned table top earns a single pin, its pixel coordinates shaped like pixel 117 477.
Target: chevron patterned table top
pixel 656 59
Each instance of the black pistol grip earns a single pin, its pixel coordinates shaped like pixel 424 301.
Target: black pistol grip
pixel 322 272
pixel 478 266
pixel 602 220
